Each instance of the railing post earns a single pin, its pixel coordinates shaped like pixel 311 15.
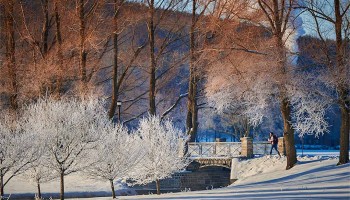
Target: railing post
pixel 234 169
pixel 281 146
pixel 214 148
pixel 247 147
pixel 182 146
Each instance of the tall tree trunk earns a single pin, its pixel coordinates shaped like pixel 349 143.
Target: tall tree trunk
pixel 343 90
pixel 112 187
pixel 62 186
pixel 152 80
pixel 45 31
pixel 59 49
pixel 192 110
pixel 83 53
pixel 278 12
pixel 115 63
pixel 344 133
pixel 39 190
pixel 288 134
pixel 2 193
pixel 158 186
pixel 288 131
pixel 10 54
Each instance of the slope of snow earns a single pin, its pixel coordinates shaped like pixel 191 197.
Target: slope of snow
pixel 265 178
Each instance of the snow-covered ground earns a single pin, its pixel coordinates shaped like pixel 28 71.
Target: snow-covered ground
pixel 318 152
pixel 75 185
pixel 265 178
pixel 314 177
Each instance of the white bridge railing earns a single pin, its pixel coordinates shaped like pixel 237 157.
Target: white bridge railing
pixel 214 149
pixel 224 149
pixel 261 147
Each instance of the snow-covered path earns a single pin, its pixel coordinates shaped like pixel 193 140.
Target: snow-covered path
pixel 312 178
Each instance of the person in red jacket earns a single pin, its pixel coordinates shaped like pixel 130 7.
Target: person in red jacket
pixel 274 142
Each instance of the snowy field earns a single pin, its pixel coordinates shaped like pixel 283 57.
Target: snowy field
pixel 314 177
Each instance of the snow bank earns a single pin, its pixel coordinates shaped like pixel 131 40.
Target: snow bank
pixel 252 167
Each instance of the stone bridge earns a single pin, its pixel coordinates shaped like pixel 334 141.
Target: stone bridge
pixel 227 154
pixel 214 165
pixel 219 162
pixel 217 150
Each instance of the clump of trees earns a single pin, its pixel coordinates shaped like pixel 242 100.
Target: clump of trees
pixel 54 138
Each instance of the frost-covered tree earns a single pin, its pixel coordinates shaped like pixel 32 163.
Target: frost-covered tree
pixel 37 173
pixel 17 150
pixel 161 145
pixel 115 156
pixel 334 57
pixel 70 129
pixel 256 81
pixel 310 103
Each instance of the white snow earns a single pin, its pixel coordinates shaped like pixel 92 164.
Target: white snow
pixel 314 177
pixel 307 152
pixel 265 178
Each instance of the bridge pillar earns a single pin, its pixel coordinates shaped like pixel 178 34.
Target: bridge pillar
pixel 281 146
pixel 247 147
pixel 234 169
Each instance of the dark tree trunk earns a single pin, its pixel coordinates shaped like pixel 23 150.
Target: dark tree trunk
pixel 45 31
pixel 152 80
pixel 83 54
pixel 343 90
pixel 288 134
pixel 59 49
pixel 192 110
pixel 2 193
pixel 115 63
pixel 158 186
pixel 62 186
pixel 288 131
pixel 112 187
pixel 10 54
pixel 39 190
pixel 344 134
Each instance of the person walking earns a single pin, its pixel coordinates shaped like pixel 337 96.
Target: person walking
pixel 274 142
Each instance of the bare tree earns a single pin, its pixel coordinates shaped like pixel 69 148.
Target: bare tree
pixel 122 67
pixel 162 14
pixel 10 54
